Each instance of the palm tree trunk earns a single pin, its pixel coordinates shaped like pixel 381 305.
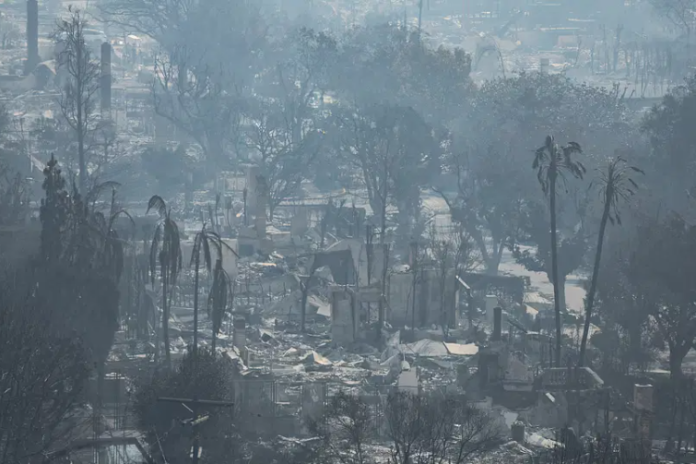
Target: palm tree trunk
pixel 165 318
pixel 195 307
pixel 595 275
pixel 554 266
pixel 214 344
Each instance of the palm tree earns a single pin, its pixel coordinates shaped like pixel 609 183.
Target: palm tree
pixel 165 250
pixel 553 163
pixel 616 186
pixel 111 253
pixel 202 244
pixel 221 298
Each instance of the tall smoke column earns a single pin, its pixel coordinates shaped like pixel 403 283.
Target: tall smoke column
pixel 105 84
pixel 32 36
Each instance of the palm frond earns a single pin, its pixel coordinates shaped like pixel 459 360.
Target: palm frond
pixel 172 243
pixel 207 261
pixel 99 221
pixel 572 148
pixel 549 143
pixel 228 248
pixel 154 251
pixel 96 191
pixel 210 214
pixel 554 163
pixel 616 185
pixel 157 203
pixel 116 254
pixel 218 298
pixel 220 243
pixel 118 213
pixel 196 248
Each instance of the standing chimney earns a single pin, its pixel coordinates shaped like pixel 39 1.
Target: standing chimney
pixel 105 78
pixel 491 302
pixel 643 404
pixel 32 36
pixel 518 431
pixel 497 324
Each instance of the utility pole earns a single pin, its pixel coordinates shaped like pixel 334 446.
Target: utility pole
pixel 195 421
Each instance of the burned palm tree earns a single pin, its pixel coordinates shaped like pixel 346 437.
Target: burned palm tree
pixel 205 244
pixel 165 251
pixel 553 163
pixel 221 298
pixel 110 252
pixel 616 186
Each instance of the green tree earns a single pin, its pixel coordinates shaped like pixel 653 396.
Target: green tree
pixel 492 195
pixel 395 151
pixel 165 251
pixel 572 238
pixel 553 163
pixel 658 271
pixel 617 186
pixel 669 128
pixel 489 201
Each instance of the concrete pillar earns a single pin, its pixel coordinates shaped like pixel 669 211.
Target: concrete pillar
pixel 33 58
pixel 544 65
pixel 105 84
pixel 344 316
pixel 643 403
pixel 643 397
pixel 491 302
pixel 497 324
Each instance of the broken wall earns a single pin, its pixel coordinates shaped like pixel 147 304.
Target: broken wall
pixel 345 317
pixel 359 254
